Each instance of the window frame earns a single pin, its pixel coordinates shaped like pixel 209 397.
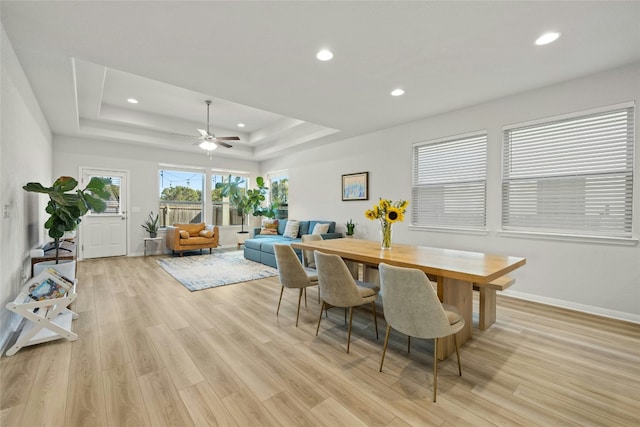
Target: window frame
pixel 569 234
pixel 458 226
pixel 182 169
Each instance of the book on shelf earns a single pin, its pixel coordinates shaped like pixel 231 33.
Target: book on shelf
pixel 48 285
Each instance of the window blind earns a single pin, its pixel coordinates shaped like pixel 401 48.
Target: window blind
pixel 449 183
pixel 570 176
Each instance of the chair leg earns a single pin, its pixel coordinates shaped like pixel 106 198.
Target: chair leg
pixel 298 312
pixel 435 368
pixel 349 333
pixel 455 340
pixel 384 347
pixel 305 297
pixel 375 318
pixel 320 318
pixel 279 301
pixel 408 343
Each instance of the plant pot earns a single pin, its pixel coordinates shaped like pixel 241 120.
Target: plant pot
pixel 242 236
pixel 152 235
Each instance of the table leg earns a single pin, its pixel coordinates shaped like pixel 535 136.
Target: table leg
pixel 458 293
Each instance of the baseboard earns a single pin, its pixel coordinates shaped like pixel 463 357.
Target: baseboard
pixel 598 311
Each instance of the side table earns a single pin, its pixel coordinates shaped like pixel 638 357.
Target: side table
pixel 150 239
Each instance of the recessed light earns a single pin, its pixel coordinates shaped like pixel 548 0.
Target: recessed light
pixel 547 38
pixel 240 125
pixel 324 55
pixel 132 101
pixel 397 92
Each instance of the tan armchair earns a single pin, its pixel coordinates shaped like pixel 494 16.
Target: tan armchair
pixel 189 237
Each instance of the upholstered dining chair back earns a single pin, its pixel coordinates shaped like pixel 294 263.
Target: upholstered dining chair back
pixel 337 287
pixel 290 270
pixel 411 305
pixel 293 275
pixel 307 256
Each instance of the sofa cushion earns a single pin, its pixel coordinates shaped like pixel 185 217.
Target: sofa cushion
pixel 183 234
pixel 192 229
pixel 282 224
pixel 320 228
pixel 304 228
pixel 270 223
pixel 269 231
pixel 332 226
pixel 254 243
pixel 291 231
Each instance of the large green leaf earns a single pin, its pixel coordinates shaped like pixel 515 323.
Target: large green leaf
pixel 96 204
pixel 65 183
pixel 97 186
pixel 36 187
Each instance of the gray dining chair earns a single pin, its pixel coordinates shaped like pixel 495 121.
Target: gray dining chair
pixel 339 289
pixel 411 306
pixel 292 274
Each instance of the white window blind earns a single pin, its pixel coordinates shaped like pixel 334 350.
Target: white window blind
pixel 449 183
pixel 570 176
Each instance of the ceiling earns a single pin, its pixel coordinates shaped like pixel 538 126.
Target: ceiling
pixel 256 62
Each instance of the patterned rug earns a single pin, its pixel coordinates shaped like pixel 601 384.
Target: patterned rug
pixel 199 272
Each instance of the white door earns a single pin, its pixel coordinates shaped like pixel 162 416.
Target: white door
pixel 105 234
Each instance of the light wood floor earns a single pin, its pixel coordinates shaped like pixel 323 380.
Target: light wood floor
pixel 152 353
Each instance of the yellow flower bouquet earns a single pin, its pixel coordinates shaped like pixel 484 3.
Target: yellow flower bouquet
pixel 387 212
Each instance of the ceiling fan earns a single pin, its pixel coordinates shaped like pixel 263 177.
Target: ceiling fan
pixel 208 141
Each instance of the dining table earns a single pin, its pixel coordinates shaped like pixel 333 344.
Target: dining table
pixel 454 271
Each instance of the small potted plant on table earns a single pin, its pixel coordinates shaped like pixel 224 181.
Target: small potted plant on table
pixel 351 228
pixel 151 225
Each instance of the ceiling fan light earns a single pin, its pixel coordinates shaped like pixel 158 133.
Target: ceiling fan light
pixel 208 145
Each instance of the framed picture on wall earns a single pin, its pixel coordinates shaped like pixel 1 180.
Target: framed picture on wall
pixel 355 186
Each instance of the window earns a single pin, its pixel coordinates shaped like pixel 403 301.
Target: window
pixel 222 212
pixel 278 183
pixel 571 175
pixel 181 197
pixel 449 182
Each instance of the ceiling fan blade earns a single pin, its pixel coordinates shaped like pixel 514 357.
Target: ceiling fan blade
pixel 223 144
pixel 227 138
pixel 203 132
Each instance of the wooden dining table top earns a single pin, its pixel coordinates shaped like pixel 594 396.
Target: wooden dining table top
pixel 476 267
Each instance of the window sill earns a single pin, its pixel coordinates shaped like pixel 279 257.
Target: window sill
pixel 474 231
pixel 621 241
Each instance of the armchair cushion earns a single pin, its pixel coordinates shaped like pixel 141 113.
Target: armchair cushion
pixel 206 233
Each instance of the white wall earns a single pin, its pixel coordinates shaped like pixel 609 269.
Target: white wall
pixel 599 278
pixel 25 156
pixel 71 153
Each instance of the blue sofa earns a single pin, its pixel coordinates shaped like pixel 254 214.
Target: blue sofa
pixel 260 247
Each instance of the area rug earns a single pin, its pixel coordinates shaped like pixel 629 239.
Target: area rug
pixel 199 272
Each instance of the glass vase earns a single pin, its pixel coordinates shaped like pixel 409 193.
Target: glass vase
pixel 385 235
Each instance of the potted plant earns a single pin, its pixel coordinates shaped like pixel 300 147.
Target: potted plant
pixel 244 201
pixel 151 225
pixel 66 208
pixel 351 228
